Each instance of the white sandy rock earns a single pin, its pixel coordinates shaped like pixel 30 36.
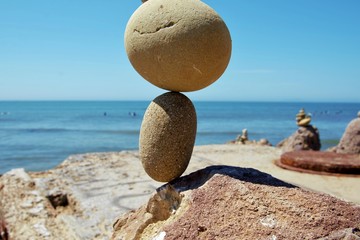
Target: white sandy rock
pixel 167 136
pixel 178 45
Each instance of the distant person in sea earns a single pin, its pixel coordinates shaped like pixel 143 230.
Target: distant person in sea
pixel 105 114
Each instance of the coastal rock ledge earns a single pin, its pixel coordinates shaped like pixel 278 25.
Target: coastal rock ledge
pixel 223 202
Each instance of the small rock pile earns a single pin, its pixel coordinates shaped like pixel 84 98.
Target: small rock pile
pixel 342 159
pixel 305 138
pixel 180 46
pixel 302 119
pixel 244 139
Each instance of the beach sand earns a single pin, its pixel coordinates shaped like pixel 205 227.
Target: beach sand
pixel 102 186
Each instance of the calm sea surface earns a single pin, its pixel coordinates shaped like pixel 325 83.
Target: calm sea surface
pixel 40 135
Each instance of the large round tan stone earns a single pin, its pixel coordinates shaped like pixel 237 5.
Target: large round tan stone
pixel 167 136
pixel 178 45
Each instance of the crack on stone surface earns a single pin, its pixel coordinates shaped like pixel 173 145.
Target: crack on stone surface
pixel 169 24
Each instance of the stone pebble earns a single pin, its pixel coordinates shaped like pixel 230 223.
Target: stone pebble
pixel 304 122
pixel 167 136
pixel 178 45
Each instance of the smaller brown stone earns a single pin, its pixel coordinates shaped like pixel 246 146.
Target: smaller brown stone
pixel 264 142
pixel 167 136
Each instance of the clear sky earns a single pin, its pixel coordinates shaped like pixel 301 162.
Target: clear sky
pixel 298 50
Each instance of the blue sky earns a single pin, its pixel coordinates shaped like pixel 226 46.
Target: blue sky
pixel 300 50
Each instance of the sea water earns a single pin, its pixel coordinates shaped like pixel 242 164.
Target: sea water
pixel 38 135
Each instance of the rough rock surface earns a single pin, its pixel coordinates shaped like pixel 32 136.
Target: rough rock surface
pixel 167 136
pixel 305 138
pixel 99 187
pixel 350 141
pixel 178 45
pixel 77 200
pixel 223 202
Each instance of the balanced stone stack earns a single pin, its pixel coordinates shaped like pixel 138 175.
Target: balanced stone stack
pixel 179 46
pixel 306 137
pixel 302 119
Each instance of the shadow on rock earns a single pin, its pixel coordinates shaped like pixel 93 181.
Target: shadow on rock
pixel 198 178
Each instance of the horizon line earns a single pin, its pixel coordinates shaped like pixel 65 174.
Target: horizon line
pixel 198 100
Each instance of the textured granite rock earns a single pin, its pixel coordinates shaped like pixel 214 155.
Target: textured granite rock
pixel 178 45
pixel 167 136
pixel 350 141
pixel 305 138
pixel 223 202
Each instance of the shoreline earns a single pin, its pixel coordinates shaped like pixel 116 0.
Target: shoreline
pixel 324 147
pixel 29 129
pixel 100 187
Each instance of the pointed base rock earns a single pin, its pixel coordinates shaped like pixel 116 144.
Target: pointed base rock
pixel 304 138
pixel 223 202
